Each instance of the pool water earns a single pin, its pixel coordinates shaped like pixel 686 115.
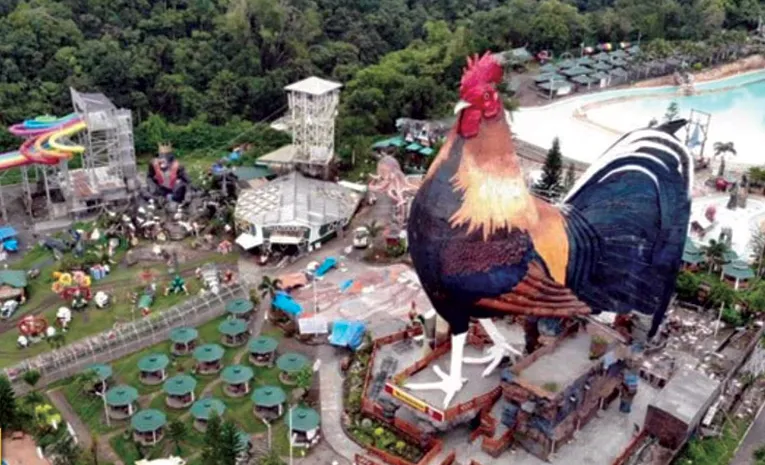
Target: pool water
pixel 737 106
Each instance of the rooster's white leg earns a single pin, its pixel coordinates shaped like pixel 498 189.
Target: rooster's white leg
pixel 452 382
pixel 495 353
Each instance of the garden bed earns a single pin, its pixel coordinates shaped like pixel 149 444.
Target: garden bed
pixel 371 434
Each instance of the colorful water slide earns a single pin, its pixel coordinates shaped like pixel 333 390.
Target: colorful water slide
pixel 43 144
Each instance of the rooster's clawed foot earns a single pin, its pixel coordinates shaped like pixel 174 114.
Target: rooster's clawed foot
pixel 449 384
pixel 494 356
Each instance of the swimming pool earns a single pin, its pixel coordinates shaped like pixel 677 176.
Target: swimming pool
pixel 588 124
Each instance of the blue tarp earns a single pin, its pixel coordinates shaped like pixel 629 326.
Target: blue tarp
pixel 345 285
pixel 325 266
pixel 347 333
pixel 285 303
pixel 7 232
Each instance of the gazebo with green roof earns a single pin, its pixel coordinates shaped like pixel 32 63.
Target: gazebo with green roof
pixel 180 391
pixel 240 308
pixel 304 426
pixel 290 364
pixel 148 426
pixel 234 332
pixel 204 409
pixel 692 255
pixel 268 402
pixel 184 340
pixel 153 368
pixel 737 273
pixel 120 402
pixel 209 358
pixel 101 374
pixel 237 379
pixel 262 351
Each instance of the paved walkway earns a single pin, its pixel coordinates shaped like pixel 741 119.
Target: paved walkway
pixel 752 440
pixel 331 391
pixel 84 438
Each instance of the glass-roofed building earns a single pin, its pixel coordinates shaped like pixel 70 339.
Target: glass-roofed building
pixel 293 210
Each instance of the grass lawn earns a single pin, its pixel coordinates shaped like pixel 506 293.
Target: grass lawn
pixel 238 410
pixel 125 448
pixel 93 321
pixel 172 414
pixel 89 408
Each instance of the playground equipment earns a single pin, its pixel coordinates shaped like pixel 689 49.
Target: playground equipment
pixel 73 286
pixel 107 173
pixel 32 326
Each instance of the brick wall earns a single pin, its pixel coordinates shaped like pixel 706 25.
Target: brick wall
pixel 670 431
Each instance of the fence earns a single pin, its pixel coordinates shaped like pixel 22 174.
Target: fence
pixel 123 340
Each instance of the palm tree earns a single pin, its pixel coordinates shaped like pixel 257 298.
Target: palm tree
pixel 374 228
pixel 715 252
pixel 268 286
pixel 176 431
pixel 722 148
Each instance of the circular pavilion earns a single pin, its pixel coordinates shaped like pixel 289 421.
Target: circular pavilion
pixel 262 351
pixel 148 426
pixel 268 402
pixel 204 409
pixel 234 332
pixel 153 368
pixel 304 424
pixel 237 379
pixel 184 340
pixel 120 402
pixel 101 374
pixel 240 308
pixel 290 364
pixel 738 274
pixel 208 358
pixel 180 391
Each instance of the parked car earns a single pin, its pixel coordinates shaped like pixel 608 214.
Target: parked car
pixel 361 237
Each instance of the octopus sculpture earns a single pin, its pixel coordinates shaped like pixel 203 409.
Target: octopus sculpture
pixel 391 180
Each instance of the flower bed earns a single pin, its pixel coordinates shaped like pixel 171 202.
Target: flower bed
pixel 372 434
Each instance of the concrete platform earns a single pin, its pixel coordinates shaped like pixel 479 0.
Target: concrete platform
pixel 562 366
pixel 598 443
pixel 476 385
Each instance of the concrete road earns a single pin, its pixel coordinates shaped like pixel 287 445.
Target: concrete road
pixel 754 438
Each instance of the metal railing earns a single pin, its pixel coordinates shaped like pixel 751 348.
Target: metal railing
pixel 122 340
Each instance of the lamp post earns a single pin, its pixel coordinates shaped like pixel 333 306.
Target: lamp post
pixel 268 426
pixel 289 431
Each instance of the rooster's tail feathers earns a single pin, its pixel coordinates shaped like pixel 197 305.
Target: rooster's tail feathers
pixel 627 221
pixel 646 141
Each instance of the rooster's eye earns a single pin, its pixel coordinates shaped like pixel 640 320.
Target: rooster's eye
pixel 487 96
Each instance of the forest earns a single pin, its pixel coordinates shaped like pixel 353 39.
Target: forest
pixel 212 64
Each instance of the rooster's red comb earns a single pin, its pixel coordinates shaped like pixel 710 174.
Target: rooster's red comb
pixel 481 70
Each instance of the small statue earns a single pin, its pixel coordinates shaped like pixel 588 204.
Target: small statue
pixel 733 201
pixel 79 301
pixel 177 285
pixel 166 177
pixel 744 191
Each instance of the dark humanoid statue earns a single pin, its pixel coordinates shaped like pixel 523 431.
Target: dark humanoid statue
pixel 166 177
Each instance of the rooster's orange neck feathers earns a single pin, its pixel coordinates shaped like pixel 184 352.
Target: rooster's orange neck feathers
pixel 494 194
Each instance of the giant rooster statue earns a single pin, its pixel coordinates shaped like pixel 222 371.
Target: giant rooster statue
pixel 483 246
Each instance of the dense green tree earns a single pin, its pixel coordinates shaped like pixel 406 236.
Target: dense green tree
pixel 550 184
pixel 229 446
pixel 8 406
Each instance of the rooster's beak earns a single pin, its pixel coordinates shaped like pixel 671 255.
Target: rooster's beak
pixel 461 105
